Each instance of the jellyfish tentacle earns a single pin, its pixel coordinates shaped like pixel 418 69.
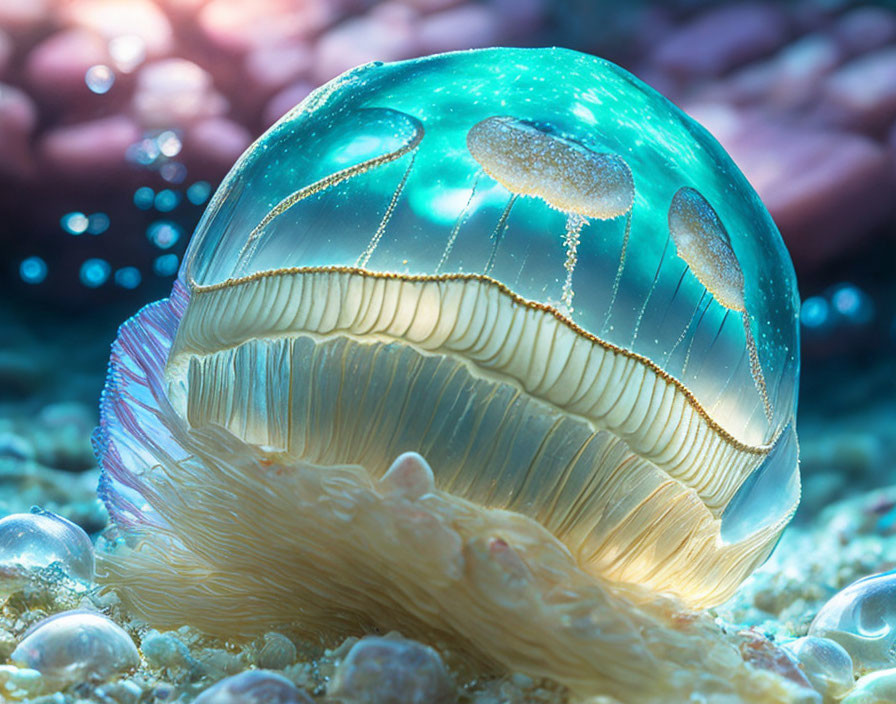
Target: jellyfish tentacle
pixel 387 216
pixel 574 225
pixel 498 234
pixel 687 329
pixel 687 356
pixel 615 290
pixel 461 219
pixel 656 278
pixel 323 184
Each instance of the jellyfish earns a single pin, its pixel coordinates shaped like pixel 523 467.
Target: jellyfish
pixel 369 403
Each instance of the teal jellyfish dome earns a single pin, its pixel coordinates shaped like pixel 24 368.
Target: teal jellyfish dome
pixel 522 264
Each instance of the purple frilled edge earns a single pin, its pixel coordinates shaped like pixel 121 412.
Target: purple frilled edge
pixel 138 428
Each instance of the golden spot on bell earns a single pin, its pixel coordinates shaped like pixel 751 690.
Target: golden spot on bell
pixel 704 244
pixel 567 176
pixel 702 241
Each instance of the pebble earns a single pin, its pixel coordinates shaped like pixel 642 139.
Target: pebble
pixel 876 688
pixel 254 687
pixel 19 683
pixel 862 619
pixel 391 670
pixel 862 94
pixel 826 664
pixel 277 653
pixel 56 67
pixel 30 542
pixel 89 149
pixel 722 39
pixel 175 92
pixel 164 651
pixel 76 646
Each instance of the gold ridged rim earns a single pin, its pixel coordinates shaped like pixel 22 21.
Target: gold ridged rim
pixel 516 298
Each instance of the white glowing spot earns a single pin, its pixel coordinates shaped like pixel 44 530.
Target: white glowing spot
pixel 99 78
pixel 446 204
pixel 163 234
pixel 74 223
pixel 127 51
pixel 169 143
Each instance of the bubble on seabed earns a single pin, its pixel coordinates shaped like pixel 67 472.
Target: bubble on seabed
pixel 128 51
pixel 97 223
pixel 165 265
pixel 167 200
pixel 99 78
pixel 199 192
pixel 94 272
pixel 144 197
pixel 33 270
pixel 74 223
pixel 30 542
pixel 128 277
pixel 164 234
pixel 76 646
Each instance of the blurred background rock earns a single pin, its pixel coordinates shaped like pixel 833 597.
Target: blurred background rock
pixel 119 117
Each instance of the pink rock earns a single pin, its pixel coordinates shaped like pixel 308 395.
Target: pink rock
pixel 519 18
pixel 387 35
pixel 862 93
pixel 21 16
pixel 285 101
pixel 825 190
pixel 464 27
pixel 866 29
pixel 426 6
pixel 116 18
pixel 18 117
pixel 723 39
pixel 271 68
pixel 6 49
pixel 238 26
pixel 175 93
pixel 89 149
pixel 215 144
pixel 56 67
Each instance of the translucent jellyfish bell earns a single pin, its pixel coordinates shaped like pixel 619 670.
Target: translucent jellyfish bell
pixel 528 277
